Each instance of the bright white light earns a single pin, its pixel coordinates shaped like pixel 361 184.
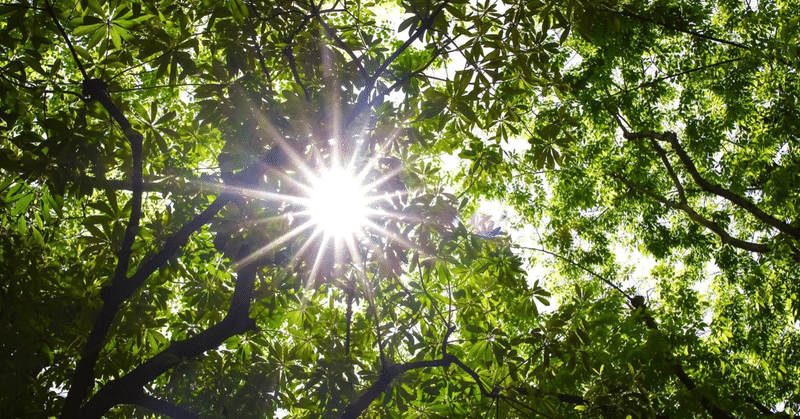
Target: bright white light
pixel 338 204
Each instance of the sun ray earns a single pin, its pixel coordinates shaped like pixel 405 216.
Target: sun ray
pixel 288 178
pixel 331 162
pixel 373 160
pixel 300 252
pixel 394 215
pixel 297 161
pixel 389 234
pixel 275 243
pixel 317 261
pixel 279 217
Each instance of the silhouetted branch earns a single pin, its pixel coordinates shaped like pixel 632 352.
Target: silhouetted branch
pixel 66 39
pixel 766 411
pixel 289 54
pixel 740 201
pixel 387 375
pixel 235 322
pixel 96 89
pixel 583 268
pixel 683 377
pixel 155 185
pixel 675 180
pixel 363 102
pixel 407 77
pixel 668 26
pixel 678 74
pixel 263 65
pixel 699 219
pixel 340 43
pixel 391 371
pixel 718 190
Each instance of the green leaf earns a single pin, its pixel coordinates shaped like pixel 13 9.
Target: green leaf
pixel 466 110
pixel 87 29
pixel 21 205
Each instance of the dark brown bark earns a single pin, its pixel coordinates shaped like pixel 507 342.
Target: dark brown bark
pixel 710 187
pixel 683 377
pixel 236 321
pixel 724 236
pixel 387 375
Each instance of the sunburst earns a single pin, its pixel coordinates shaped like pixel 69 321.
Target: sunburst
pixel 344 201
pixel 339 208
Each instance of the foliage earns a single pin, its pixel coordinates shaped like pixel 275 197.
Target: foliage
pixel 156 258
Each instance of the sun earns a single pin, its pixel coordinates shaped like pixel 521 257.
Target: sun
pixel 338 210
pixel 338 203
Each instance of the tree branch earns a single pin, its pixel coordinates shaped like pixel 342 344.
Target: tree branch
pixel 66 38
pixel 406 78
pixel 493 394
pixel 363 102
pixel 699 219
pixel 663 154
pixel 387 375
pixel 119 291
pixel 765 410
pixel 583 268
pixel 678 74
pixel 263 65
pixel 668 26
pixel 236 321
pixel 96 89
pixel 340 43
pixel 718 190
pixel 152 185
pixel 683 377
pixel 391 371
pixel 289 54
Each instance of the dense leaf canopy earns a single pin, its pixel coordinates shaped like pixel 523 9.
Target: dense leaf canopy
pixel 161 255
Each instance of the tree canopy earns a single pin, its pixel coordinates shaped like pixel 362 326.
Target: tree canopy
pixel 170 172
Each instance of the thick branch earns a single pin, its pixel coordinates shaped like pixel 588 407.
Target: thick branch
pixel 675 180
pixel 718 190
pixel 699 219
pixel 683 377
pixel 84 375
pixel 391 371
pixel 766 411
pixel 475 377
pixel 387 375
pixel 119 291
pixel 236 322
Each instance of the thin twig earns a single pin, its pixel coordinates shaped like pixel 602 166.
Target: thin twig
pixel 66 38
pixel 583 268
pixel 686 31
